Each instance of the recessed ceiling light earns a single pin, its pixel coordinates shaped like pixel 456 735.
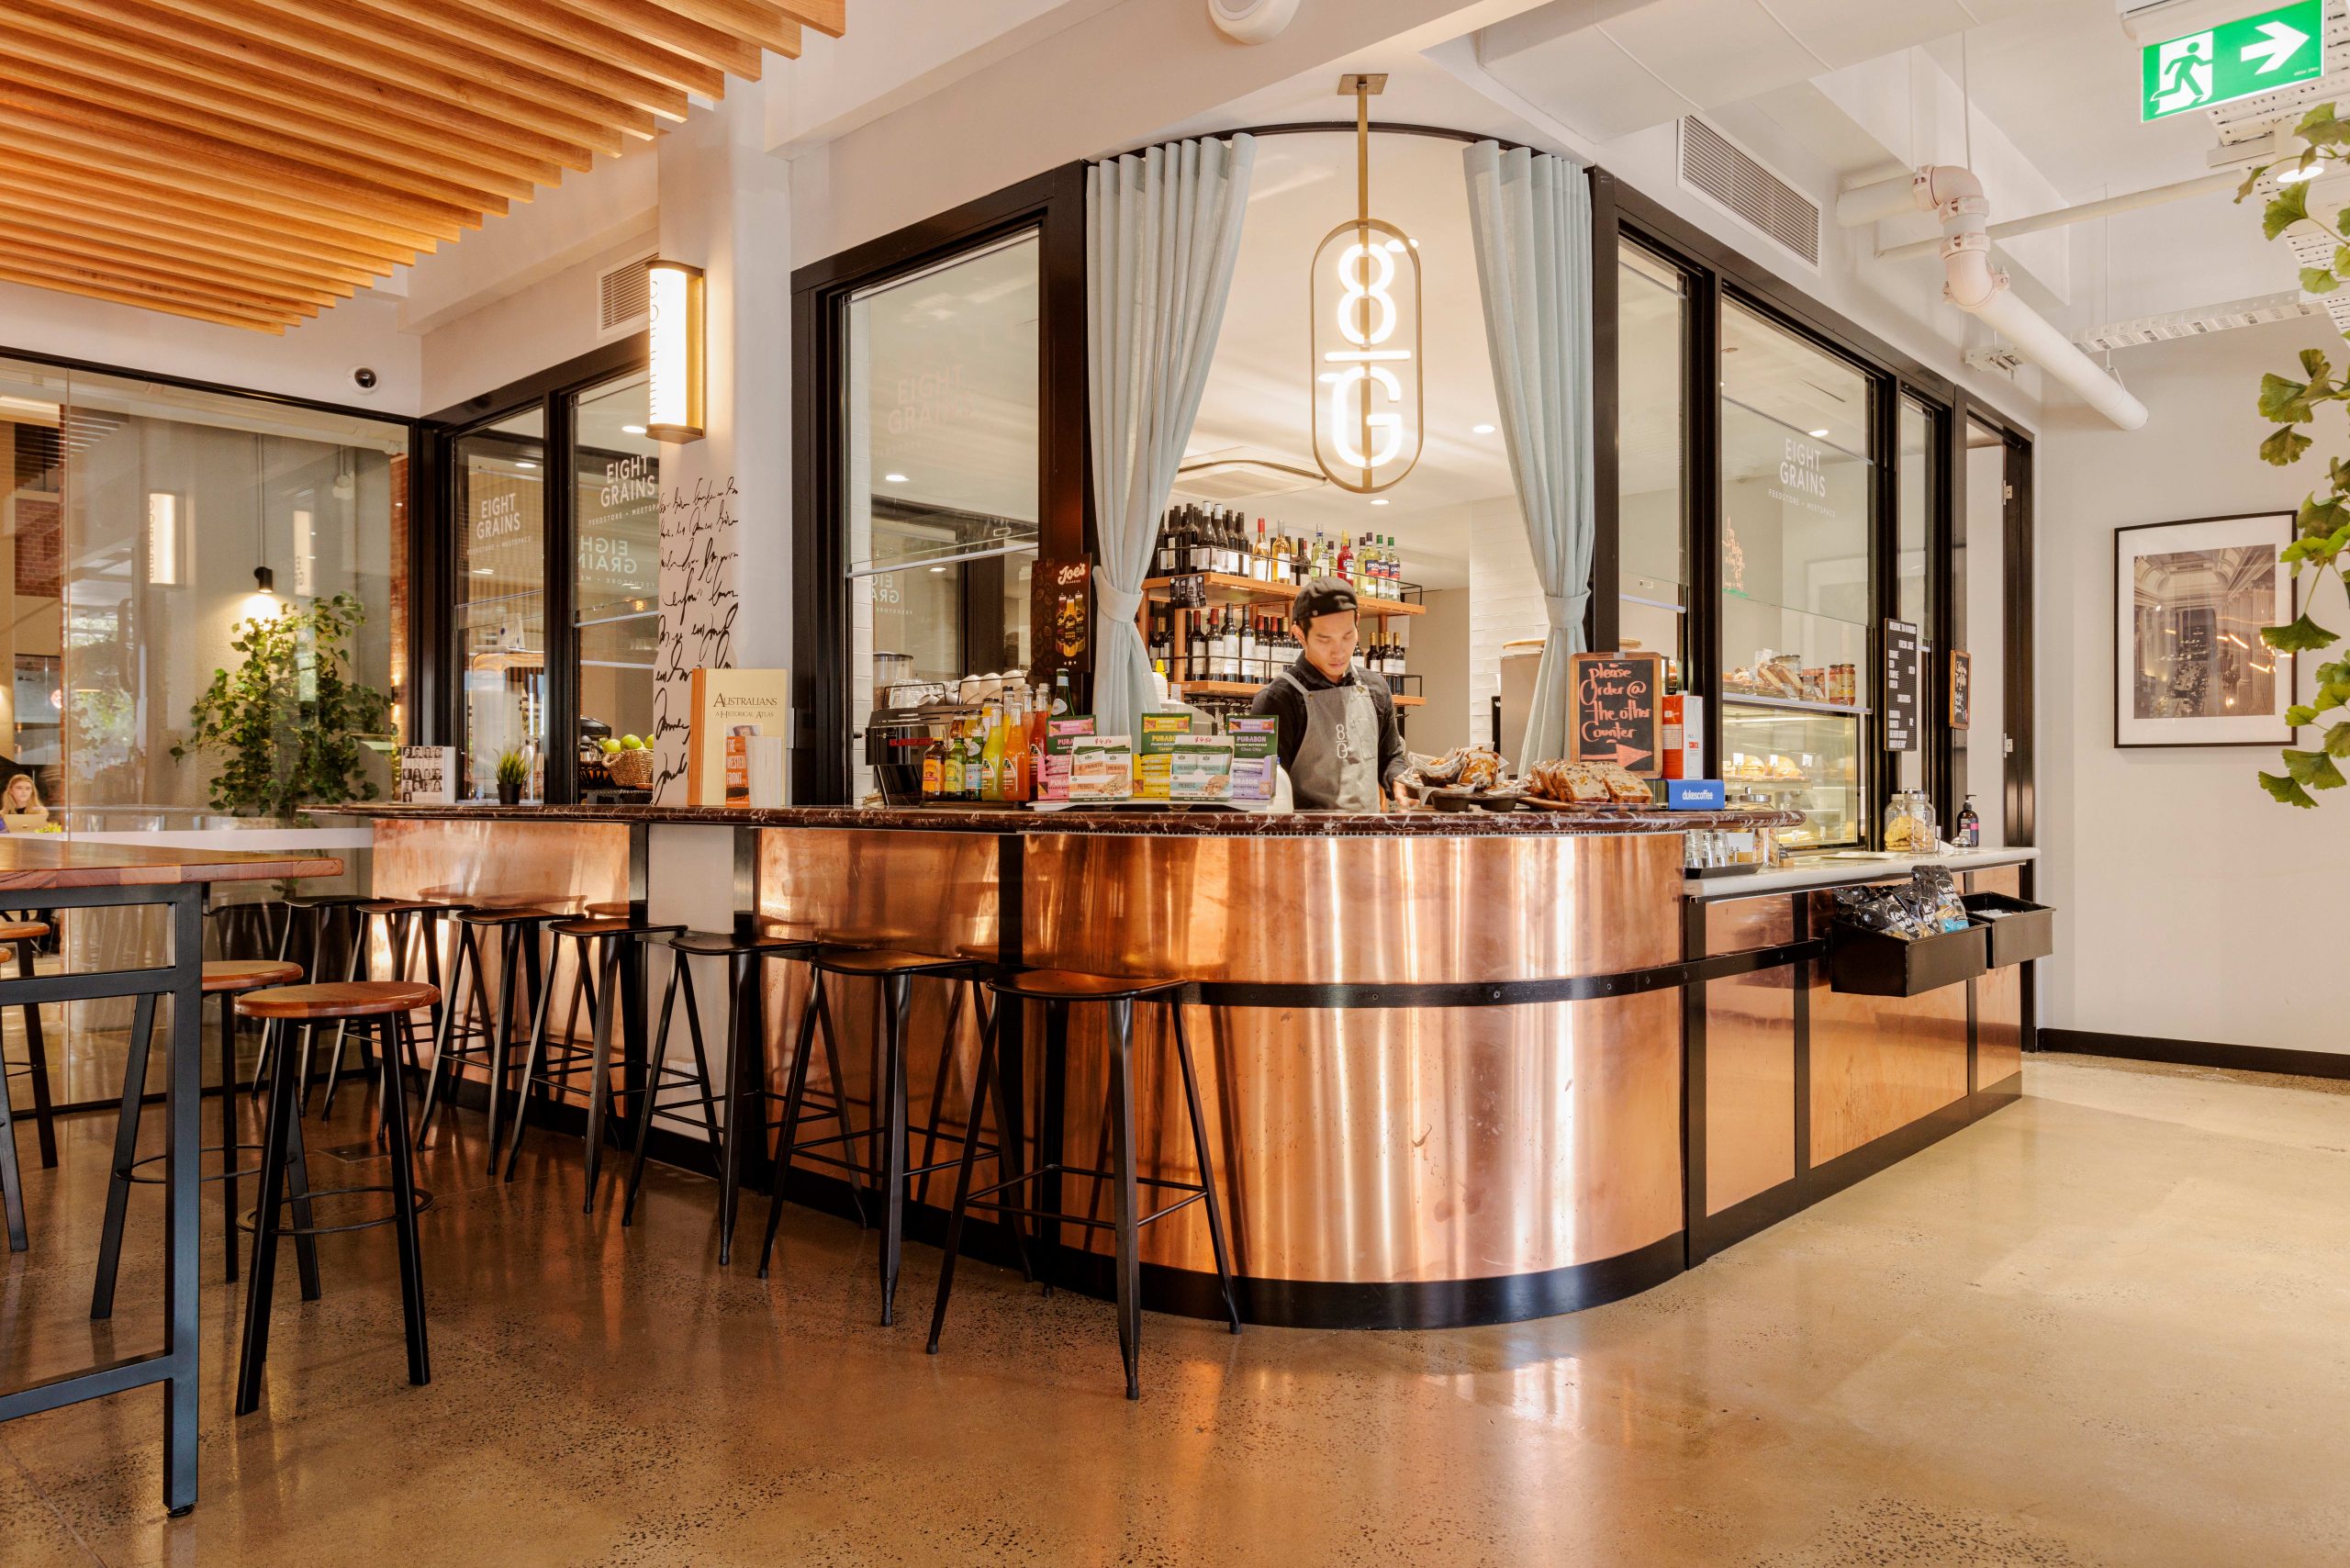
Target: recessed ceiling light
pixel 1480 430
pixel 894 478
pixel 2296 176
pixel 481 571
pixel 1379 500
pixel 524 463
pixel 632 430
pixel 939 568
pixel 1819 435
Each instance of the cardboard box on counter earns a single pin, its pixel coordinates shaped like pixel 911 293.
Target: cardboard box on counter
pixel 1100 768
pixel 1199 768
pixel 1256 757
pixel 1160 735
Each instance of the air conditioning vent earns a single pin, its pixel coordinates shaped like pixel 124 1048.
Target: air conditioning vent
pixel 1241 473
pixel 624 297
pixel 1718 169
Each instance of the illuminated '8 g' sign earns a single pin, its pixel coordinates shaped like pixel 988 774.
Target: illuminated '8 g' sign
pixel 1368 407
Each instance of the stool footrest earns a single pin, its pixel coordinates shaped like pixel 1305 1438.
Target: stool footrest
pixel 422 1201
pixel 130 1172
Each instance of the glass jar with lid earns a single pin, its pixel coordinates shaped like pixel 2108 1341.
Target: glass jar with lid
pixel 1909 826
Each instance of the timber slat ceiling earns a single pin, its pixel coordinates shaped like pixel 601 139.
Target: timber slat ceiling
pixel 253 162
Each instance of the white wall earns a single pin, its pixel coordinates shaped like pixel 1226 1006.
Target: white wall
pixel 1439 642
pixel 1504 602
pixel 2176 878
pixel 518 333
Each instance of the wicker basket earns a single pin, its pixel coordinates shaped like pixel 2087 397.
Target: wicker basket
pixel 631 769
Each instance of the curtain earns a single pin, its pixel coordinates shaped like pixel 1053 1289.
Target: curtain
pixel 1162 231
pixel 1529 219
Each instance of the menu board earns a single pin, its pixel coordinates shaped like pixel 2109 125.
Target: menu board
pixel 1617 700
pixel 1901 684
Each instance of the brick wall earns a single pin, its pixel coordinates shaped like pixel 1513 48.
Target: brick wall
pixel 40 547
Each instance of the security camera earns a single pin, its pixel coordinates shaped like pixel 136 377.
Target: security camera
pixel 363 378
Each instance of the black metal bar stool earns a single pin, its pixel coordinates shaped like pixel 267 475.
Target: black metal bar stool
pixel 226 979
pixel 885 1137
pixel 611 949
pixel 377 1003
pixel 22 935
pixel 745 1094
pixel 408 925
pixel 1056 989
pixel 488 1034
pixel 319 918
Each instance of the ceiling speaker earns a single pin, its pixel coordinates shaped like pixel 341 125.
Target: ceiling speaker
pixel 1251 21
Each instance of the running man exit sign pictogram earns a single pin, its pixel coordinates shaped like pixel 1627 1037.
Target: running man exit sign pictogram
pixel 2234 60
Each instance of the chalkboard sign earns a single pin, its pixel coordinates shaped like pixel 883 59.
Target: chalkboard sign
pixel 1962 690
pixel 1901 684
pixel 1189 592
pixel 1617 701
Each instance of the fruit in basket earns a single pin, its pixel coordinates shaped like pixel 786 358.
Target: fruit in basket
pixel 607 745
pixel 632 743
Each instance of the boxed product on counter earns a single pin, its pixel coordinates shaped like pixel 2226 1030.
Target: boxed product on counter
pixel 1685 737
pixel 1199 768
pixel 1161 733
pixel 1256 757
pixel 1052 756
pixel 1100 768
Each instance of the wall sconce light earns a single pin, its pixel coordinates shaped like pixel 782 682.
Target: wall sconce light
pixel 676 290
pixel 163 538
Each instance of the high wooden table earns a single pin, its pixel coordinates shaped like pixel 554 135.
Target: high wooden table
pixel 69 875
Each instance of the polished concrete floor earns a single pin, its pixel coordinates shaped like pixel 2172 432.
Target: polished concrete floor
pixel 2105 1326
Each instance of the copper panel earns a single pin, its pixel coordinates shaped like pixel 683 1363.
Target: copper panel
pixel 1998 1026
pixel 928 893
pixel 2007 879
pixel 1344 910
pixel 1749 1081
pixel 1880 1062
pixel 1734 925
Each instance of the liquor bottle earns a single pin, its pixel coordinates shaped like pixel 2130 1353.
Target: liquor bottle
pixel 950 781
pixel 1248 648
pixel 1195 661
pixel 932 773
pixel 1235 548
pixel 1163 564
pixel 1346 572
pixel 1061 699
pixel 991 752
pixel 1201 557
pixel 1261 559
pixel 1225 643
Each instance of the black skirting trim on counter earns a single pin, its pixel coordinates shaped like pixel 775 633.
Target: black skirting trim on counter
pixel 1496 993
pixel 2199 1053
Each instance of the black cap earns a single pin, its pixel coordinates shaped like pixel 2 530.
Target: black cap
pixel 1322 596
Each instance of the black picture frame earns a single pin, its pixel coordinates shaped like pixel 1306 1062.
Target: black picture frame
pixel 2123 645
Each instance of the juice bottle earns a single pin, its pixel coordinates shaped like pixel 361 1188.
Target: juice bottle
pixel 991 753
pixel 933 774
pixel 950 780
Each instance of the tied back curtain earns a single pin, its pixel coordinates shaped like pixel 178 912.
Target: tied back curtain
pixel 1162 232
pixel 1529 218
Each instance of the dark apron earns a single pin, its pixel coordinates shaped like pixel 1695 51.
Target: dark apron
pixel 1337 760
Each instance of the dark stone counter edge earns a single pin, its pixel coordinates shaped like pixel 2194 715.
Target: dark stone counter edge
pixel 1163 824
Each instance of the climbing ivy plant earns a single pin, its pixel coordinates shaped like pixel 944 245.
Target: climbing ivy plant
pixel 289 723
pixel 2322 532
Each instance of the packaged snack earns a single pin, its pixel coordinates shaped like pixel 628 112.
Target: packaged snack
pixel 1256 757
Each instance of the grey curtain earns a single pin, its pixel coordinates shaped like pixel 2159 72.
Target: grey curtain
pixel 1162 231
pixel 1529 217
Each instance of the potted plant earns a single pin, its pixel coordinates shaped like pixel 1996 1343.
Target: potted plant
pixel 290 724
pixel 513 772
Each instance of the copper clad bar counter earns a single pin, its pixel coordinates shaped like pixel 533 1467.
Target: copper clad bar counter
pixel 1446 1057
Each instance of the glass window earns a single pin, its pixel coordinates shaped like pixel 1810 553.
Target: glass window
pixel 942 472
pixel 1652 309
pixel 501 620
pixel 1978 584
pixel 1913 525
pixel 616 479
pixel 1796 485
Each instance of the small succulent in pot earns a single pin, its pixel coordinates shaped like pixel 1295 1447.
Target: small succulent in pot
pixel 513 772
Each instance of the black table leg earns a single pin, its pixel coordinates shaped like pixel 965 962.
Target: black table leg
pixel 180 1178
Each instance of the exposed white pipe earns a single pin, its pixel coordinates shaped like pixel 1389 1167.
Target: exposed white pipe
pixel 2063 217
pixel 1956 195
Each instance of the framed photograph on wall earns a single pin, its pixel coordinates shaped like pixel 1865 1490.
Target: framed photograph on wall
pixel 2189 600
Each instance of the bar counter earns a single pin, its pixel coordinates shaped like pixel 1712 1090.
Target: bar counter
pixel 1460 1069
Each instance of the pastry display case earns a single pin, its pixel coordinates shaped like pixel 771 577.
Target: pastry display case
pixel 1801 757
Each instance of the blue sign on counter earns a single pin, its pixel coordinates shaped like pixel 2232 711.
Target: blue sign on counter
pixel 1695 794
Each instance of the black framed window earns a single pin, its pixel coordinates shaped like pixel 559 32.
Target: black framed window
pixel 543 564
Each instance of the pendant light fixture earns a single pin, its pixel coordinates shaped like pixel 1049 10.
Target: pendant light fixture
pixel 264 580
pixel 1368 406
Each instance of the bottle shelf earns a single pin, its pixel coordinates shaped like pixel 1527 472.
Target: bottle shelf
pixel 1249 590
pixel 1250 689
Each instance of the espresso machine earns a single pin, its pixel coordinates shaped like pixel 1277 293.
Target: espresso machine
pixel 913 716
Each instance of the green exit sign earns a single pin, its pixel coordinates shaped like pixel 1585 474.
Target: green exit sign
pixel 2234 60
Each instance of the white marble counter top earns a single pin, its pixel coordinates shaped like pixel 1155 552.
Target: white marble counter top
pixel 1819 871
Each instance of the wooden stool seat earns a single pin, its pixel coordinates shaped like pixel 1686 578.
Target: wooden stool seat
pixel 612 925
pixel 325 900
pixel 482 916
pixel 841 961
pixel 605 907
pixel 411 906
pixel 339 999
pixel 22 930
pixel 1071 985
pixel 719 944
pixel 248 974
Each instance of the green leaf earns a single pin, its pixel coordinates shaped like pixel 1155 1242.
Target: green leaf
pixel 2251 182
pixel 2313 769
pixel 2283 446
pixel 2319 280
pixel 2287 207
pixel 2301 714
pixel 2283 399
pixel 2304 636
pixel 2288 792
pixel 2314 364
pixel 2321 125
pixel 2337 740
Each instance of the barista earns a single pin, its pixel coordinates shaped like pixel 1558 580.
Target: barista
pixel 1338 737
